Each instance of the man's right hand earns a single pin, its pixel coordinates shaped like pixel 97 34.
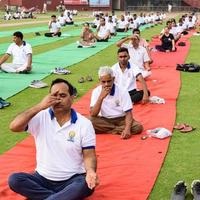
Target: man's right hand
pixel 105 91
pixel 49 100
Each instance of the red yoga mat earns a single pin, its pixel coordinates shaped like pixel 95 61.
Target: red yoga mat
pixel 127 168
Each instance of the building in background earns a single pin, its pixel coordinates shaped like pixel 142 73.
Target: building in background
pixel 104 4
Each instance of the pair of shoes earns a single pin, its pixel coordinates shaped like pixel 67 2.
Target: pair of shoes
pixel 184 128
pixel 88 78
pixel 60 70
pixel 180 190
pixel 38 84
pixel 4 103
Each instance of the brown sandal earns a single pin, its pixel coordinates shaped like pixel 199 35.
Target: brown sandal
pixel 180 126
pixel 187 129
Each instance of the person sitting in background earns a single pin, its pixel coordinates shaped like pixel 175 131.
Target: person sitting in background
pixel 103 32
pixel 21 52
pixel 7 16
pixel 138 54
pixel 143 43
pixel 175 31
pixel 96 22
pixel 69 19
pixel 122 24
pixel 17 15
pixel 168 42
pixel 62 19
pixel 111 26
pixel 191 24
pixel 87 36
pixel 126 75
pixel 54 27
pixel 111 107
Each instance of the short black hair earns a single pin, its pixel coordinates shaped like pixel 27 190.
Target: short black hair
pixel 136 30
pixel 18 34
pixel 53 16
pixel 122 49
pixel 60 80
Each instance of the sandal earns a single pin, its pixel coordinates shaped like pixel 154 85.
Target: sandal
pixel 81 80
pixel 180 126
pixel 187 129
pixel 89 78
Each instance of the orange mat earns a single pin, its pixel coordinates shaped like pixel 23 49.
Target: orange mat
pixel 127 168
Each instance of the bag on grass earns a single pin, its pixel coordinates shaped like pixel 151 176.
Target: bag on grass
pixel 188 67
pixel 160 133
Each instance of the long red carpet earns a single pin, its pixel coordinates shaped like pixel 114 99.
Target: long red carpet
pixel 127 168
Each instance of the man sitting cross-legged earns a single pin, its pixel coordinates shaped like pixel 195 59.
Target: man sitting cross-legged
pixel 65 146
pixel 21 52
pixel 126 73
pixel 111 108
pixel 138 54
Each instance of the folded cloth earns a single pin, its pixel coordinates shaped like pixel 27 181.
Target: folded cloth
pixel 156 100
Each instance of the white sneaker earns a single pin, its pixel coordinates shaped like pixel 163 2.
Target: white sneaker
pixel 38 84
pixel 60 70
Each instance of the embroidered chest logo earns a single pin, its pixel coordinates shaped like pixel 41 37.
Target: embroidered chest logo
pixel 71 136
pixel 117 103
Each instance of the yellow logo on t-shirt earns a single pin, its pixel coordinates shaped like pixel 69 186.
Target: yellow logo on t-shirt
pixel 71 136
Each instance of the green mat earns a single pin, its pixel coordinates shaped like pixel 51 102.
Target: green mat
pixel 24 30
pixel 40 40
pixel 31 30
pixel 43 63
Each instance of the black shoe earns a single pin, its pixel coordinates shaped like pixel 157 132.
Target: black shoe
pixel 4 103
pixel 179 191
pixel 195 189
pixel 37 34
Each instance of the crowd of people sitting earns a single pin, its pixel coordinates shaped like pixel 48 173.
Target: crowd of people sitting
pixel 110 106
pixel 20 13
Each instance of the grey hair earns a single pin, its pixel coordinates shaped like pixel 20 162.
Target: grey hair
pixel 105 70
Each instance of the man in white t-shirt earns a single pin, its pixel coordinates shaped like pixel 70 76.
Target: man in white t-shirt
pixel 54 28
pixel 65 146
pixel 138 54
pixel 62 19
pixel 126 75
pixel 111 107
pixel 111 26
pixel 122 24
pixel 21 52
pixel 103 32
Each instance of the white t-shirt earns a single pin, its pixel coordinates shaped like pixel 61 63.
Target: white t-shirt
pixel 111 27
pixel 103 31
pixel 126 80
pixel 69 19
pixel 137 56
pixel 59 148
pixel 122 24
pixel 54 27
pixel 96 22
pixel 19 53
pixel 62 20
pixel 116 104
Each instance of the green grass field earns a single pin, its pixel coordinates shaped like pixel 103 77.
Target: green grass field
pixel 182 160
